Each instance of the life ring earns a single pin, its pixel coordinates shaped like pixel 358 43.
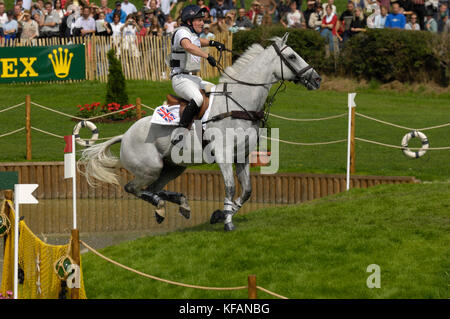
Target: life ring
pixel 90 126
pixel 419 153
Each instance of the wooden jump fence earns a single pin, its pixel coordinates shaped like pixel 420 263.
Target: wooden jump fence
pixel 282 188
pixel 142 57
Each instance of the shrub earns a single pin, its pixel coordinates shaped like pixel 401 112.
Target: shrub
pixel 115 88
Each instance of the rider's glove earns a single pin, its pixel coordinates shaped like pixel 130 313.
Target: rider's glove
pixel 211 60
pixel 218 45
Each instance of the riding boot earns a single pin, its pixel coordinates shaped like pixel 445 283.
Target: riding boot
pixel 189 112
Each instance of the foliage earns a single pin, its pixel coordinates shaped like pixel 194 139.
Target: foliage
pixel 116 86
pixel 95 109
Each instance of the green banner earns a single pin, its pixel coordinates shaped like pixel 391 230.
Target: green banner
pixel 52 63
pixel 8 180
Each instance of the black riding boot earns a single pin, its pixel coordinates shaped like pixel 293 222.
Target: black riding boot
pixel 189 112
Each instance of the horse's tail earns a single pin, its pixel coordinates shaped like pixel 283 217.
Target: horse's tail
pixel 100 164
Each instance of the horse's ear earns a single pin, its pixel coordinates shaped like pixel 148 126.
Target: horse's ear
pixel 284 38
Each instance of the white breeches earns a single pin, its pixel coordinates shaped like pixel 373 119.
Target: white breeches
pixel 188 87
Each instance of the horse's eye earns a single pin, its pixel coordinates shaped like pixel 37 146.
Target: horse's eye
pixel 292 57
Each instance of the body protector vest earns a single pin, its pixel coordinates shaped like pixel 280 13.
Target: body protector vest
pixel 180 60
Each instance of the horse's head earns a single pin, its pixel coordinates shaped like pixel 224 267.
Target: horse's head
pixel 292 67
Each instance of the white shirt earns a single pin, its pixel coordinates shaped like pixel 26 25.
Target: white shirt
pixel 3 18
pixel 128 8
pixel 165 6
pixel 129 31
pixel 181 34
pixel 115 28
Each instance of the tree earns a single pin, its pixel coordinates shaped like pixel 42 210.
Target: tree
pixel 116 87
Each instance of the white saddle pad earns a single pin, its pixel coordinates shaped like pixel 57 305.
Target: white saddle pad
pixel 170 114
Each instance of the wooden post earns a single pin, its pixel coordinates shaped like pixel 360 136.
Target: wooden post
pixel 352 142
pixel 252 292
pixel 8 196
pixel 28 125
pixel 138 108
pixel 75 251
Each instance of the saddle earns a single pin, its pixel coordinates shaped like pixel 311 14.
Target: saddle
pixel 176 100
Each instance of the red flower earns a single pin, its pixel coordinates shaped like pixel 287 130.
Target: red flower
pixel 86 105
pixel 82 109
pixel 122 112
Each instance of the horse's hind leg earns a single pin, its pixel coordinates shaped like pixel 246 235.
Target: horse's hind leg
pixel 135 187
pixel 167 174
pixel 243 174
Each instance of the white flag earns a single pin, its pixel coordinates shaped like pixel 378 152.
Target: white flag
pixel 69 165
pixel 23 193
pixel 351 100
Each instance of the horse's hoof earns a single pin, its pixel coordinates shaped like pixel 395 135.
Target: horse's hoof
pixel 229 226
pixel 159 218
pixel 185 212
pixel 217 217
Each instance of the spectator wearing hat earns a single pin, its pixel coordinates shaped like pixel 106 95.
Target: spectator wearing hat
pixel 10 27
pixel 395 20
pixel 30 28
pixel 206 33
pixel 119 11
pixel 430 23
pixel 128 7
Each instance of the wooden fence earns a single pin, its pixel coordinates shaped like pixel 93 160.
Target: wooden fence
pixel 143 58
pixel 283 188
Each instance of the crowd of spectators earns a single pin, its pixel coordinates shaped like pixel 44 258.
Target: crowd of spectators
pixel 65 18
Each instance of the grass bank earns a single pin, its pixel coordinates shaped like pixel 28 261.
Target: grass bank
pixel 320 249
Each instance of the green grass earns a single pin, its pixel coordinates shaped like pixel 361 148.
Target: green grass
pixel 408 109
pixel 320 249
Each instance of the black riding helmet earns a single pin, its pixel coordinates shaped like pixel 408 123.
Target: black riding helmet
pixel 192 12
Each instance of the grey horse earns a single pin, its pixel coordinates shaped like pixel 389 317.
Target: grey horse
pixel 147 152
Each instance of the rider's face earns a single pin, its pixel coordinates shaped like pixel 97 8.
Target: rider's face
pixel 197 24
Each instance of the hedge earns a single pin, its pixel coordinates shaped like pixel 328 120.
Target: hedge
pixel 384 55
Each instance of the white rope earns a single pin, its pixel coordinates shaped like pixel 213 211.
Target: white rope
pixel 304 144
pixel 12 132
pixel 76 117
pixel 48 133
pixel 308 120
pixel 400 147
pixel 11 107
pixel 148 107
pixel 400 126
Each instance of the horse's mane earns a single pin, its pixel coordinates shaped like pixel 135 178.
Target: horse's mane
pixel 252 52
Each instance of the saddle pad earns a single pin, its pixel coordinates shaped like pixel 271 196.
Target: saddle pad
pixel 170 114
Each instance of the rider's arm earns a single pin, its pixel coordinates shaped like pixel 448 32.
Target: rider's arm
pixel 193 49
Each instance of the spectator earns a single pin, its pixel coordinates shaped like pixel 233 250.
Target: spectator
pixel 143 31
pixel 430 23
pixel 294 17
pixel 158 13
pixel 120 12
pixel 206 33
pixel 128 7
pixel 447 25
pixel 30 28
pixel 170 25
pixel 359 3
pixel 59 9
pixel 95 10
pixel 270 6
pixel 328 31
pixel 331 3
pixel 85 25
pixel 49 26
pixel 102 28
pixel 155 28
pixel 372 6
pixel 412 24
pixel 68 22
pixel 418 6
pixel 219 8
pixel 229 21
pixel 345 20
pixel 254 11
pixel 359 23
pixel 310 9
pixel 116 28
pixel 380 19
pixel 147 17
pixel 219 25
pixel 129 28
pixel 3 15
pixel 395 19
pixel 242 21
pixel 167 6
pixel 104 7
pixel 315 19
pixel 201 4
pixel 10 27
pixel 17 12
pixel 207 19
pixel 442 17
pixel 283 9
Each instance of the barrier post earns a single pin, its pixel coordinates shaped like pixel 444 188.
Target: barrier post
pixel 138 108
pixel 75 252
pixel 252 292
pixel 351 137
pixel 8 196
pixel 28 125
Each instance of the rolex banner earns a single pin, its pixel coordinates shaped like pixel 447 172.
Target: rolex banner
pixel 50 63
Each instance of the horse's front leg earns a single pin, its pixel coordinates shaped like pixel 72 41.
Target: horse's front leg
pixel 230 188
pixel 243 174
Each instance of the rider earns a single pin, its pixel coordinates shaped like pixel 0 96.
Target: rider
pixel 185 62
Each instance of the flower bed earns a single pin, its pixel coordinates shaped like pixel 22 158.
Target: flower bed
pixel 121 113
